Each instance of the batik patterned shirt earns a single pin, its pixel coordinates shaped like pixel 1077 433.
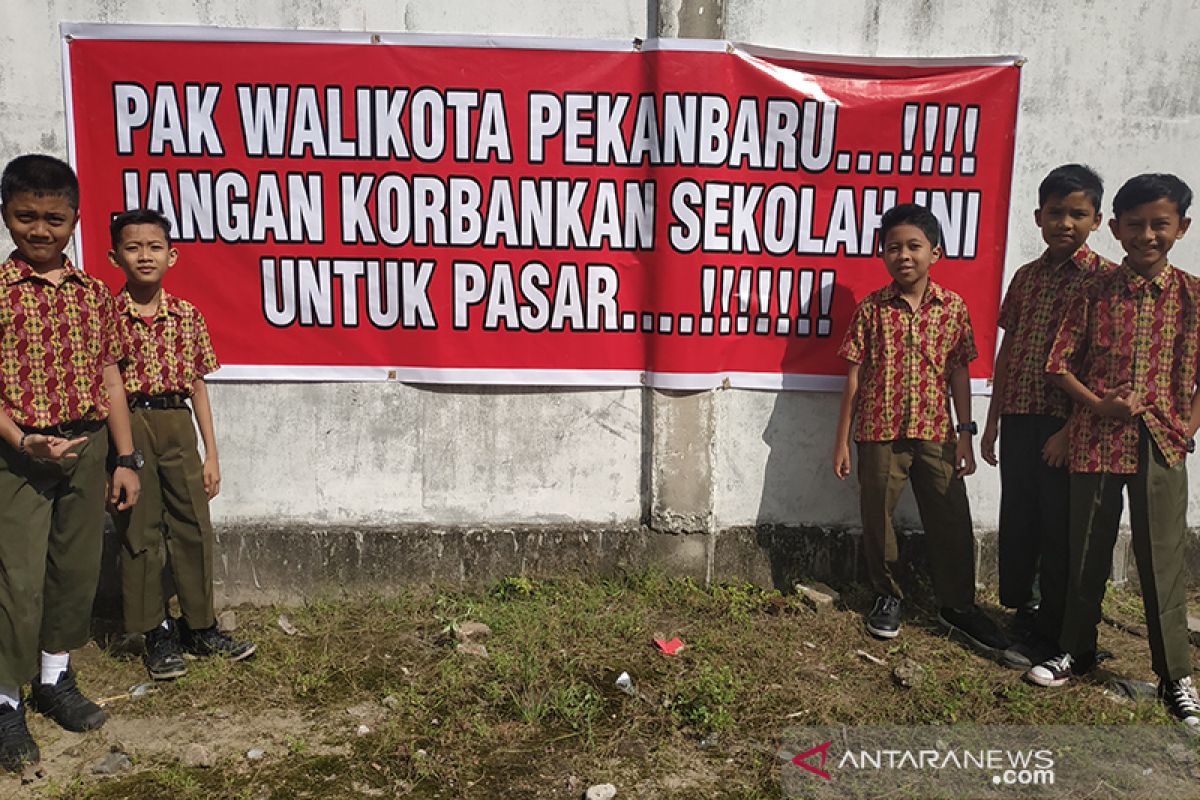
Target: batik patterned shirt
pixel 168 352
pixel 1038 297
pixel 55 341
pixel 906 358
pixel 1145 334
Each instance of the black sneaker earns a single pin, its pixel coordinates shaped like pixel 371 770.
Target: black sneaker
pixel 162 657
pixel 1024 655
pixel 975 629
pixel 211 642
pixel 17 747
pixel 1181 700
pixel 1054 671
pixel 66 705
pixel 884 618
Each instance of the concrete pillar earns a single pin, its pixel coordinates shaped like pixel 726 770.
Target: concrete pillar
pixel 680 424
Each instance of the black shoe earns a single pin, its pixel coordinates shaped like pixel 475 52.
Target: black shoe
pixel 1023 623
pixel 1181 700
pixel 66 705
pixel 17 747
pixel 211 642
pixel 1024 655
pixel 162 657
pixel 974 629
pixel 883 620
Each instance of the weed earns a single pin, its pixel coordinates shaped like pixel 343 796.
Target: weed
pixel 704 699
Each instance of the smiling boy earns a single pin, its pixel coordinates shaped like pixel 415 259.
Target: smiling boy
pixel 1127 356
pixel 60 398
pixel 169 353
pixel 909 343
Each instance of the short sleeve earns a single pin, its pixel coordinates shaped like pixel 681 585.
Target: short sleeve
pixel 964 351
pixel 854 344
pixel 115 345
pixel 1010 308
pixel 205 356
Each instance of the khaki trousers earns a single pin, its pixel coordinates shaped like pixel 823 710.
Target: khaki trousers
pixel 51 537
pixel 883 469
pixel 1158 497
pixel 169 526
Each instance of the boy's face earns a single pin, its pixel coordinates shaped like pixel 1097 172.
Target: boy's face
pixel 40 226
pixel 1149 231
pixel 908 255
pixel 1066 222
pixel 144 255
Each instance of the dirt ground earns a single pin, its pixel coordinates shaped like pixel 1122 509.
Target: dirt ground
pixel 396 697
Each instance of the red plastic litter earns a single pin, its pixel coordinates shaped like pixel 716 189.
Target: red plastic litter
pixel 670 648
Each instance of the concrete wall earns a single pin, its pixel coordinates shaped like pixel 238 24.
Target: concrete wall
pixel 1106 82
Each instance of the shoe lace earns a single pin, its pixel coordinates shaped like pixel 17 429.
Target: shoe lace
pixel 885 605
pixel 1184 698
pixel 1059 663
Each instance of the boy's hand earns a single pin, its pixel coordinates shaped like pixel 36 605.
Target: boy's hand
pixel 124 488
pixel 212 477
pixel 964 457
pixel 1054 451
pixel 52 448
pixel 987 445
pixel 841 461
pixel 1120 403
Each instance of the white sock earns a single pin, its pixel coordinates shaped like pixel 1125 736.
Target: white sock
pixel 10 695
pixel 53 667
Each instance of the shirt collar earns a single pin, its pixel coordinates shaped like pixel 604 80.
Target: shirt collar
pixel 166 305
pixel 1135 283
pixel 1084 259
pixel 933 293
pixel 17 269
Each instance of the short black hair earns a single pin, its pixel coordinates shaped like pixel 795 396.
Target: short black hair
pixel 1071 178
pixel 39 175
pixel 911 214
pixel 1149 187
pixel 137 216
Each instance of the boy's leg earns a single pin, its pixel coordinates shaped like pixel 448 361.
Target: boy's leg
pixel 882 470
pixel 1157 514
pixel 1019 545
pixel 25 518
pixel 74 548
pixel 946 517
pixel 188 526
pixel 1095 513
pixel 1053 492
pixel 143 605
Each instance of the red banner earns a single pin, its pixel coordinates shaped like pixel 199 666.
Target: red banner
pixel 532 211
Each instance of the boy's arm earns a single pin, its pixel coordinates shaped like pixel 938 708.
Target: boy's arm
pixel 125 485
pixel 204 419
pixel 841 445
pixel 37 445
pixel 987 445
pixel 960 393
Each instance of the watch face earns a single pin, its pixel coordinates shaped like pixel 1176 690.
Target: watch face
pixel 139 460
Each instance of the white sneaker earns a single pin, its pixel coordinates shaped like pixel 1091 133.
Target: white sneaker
pixel 1181 700
pixel 1052 672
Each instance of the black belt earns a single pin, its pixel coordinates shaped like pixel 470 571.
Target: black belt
pixel 158 401
pixel 67 430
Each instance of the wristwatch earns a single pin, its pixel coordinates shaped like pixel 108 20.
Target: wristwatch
pixel 133 461
pixel 967 427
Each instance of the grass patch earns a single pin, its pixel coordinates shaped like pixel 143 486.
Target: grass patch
pixel 371 698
